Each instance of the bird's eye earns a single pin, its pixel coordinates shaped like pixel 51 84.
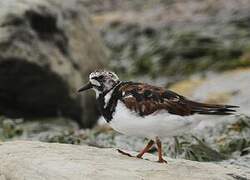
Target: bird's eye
pixel 101 77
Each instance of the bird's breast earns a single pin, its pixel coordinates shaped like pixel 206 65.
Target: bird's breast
pixel 159 124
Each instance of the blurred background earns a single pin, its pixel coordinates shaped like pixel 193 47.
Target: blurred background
pixel 200 49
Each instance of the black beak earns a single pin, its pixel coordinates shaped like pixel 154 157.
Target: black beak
pixel 85 87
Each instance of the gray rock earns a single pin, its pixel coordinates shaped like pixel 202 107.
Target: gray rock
pixel 47 49
pixel 36 160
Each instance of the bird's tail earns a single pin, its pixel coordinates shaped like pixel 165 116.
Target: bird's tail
pixel 213 109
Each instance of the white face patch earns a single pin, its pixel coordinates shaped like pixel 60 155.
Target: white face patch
pixel 107 98
pixel 104 79
pixel 94 82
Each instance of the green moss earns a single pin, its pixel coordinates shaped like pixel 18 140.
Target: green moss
pixel 143 65
pixel 236 137
pixel 235 63
pixel 197 150
pixel 10 129
pixel 167 51
pixel 65 137
pixel 233 145
pixel 240 125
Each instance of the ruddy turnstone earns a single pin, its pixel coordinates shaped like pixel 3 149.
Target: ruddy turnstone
pixel 140 109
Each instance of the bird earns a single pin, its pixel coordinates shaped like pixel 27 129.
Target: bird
pixel 143 110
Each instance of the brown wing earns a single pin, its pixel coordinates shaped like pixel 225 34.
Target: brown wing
pixel 146 99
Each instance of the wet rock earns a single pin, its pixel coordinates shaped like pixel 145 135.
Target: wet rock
pixel 36 160
pixel 47 49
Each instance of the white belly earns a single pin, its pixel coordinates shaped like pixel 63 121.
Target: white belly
pixel 161 124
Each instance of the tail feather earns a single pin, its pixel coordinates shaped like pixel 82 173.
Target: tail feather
pixel 212 109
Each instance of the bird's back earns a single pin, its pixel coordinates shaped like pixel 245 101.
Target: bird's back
pixel 145 99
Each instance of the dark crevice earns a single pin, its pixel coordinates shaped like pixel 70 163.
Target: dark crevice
pixel 28 90
pixel 45 25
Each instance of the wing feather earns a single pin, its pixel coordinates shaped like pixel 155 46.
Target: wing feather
pixel 145 99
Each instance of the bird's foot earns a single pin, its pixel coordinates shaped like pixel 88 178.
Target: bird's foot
pixel 129 155
pixel 124 153
pixel 139 156
pixel 162 161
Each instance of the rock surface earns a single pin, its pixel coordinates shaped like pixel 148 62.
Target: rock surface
pixel 36 160
pixel 47 49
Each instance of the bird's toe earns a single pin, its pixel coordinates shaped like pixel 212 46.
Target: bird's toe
pixel 124 153
pixel 162 161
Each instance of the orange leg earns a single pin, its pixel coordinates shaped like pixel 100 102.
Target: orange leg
pixel 159 147
pixel 149 145
pixel 146 149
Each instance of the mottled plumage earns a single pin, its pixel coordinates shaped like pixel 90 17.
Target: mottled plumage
pixel 144 110
pixel 146 99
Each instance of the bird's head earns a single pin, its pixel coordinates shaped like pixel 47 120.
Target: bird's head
pixel 101 81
